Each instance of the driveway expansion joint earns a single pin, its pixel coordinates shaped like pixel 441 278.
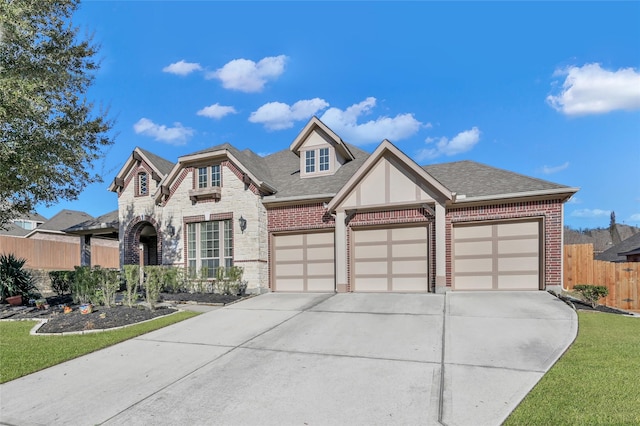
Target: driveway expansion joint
pixel 288 351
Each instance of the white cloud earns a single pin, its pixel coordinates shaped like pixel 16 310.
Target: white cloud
pixel 278 115
pixel 590 213
pixel 345 123
pixel 592 90
pixel 248 76
pixel 462 142
pixel 176 135
pixel 548 170
pixel 216 111
pixel 634 217
pixel 182 68
pixel 574 200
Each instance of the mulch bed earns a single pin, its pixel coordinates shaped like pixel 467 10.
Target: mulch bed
pixel 103 317
pixel 579 305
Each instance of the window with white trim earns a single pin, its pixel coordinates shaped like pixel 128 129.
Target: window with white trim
pixel 209 245
pixel 317 161
pixel 214 179
pixel 310 161
pixel 324 159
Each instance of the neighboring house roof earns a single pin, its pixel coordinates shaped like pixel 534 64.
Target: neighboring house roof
pixel 475 181
pixel 61 221
pixel 618 252
pixel 106 225
pixel 14 230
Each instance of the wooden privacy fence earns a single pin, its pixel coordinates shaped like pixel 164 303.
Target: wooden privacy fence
pixel 622 279
pixel 56 255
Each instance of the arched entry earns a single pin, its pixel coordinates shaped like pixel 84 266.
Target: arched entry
pixel 143 242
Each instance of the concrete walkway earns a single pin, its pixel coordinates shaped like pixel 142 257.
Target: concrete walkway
pixel 317 359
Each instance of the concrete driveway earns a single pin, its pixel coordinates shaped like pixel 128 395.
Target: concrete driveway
pixel 314 359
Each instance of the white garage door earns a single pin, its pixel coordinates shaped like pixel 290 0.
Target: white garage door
pixel 304 262
pixel 394 259
pixel 497 256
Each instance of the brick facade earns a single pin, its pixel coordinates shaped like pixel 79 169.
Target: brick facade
pixel 550 211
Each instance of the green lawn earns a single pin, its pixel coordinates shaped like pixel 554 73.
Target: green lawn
pixel 596 382
pixel 22 354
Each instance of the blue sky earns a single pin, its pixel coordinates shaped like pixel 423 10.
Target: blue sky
pixel 548 89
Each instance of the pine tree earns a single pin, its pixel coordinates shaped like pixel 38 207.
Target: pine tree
pixel 50 134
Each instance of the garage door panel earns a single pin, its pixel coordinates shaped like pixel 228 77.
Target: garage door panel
pixel 413 267
pixel 370 235
pixel 320 284
pixel 288 240
pixel 409 234
pixel 497 255
pixel 518 282
pixel 371 284
pixel 467 232
pixel 473 265
pixel 320 253
pixel 473 248
pixel 320 269
pixel 476 282
pixel 409 285
pixel 518 229
pixel 510 264
pixel 289 284
pixel 519 246
pixel 304 262
pixel 390 259
pixel 371 268
pixel 288 255
pixel 409 250
pixel 288 270
pixel 372 252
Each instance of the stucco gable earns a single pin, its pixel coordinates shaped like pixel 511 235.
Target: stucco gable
pixel 316 132
pixel 389 177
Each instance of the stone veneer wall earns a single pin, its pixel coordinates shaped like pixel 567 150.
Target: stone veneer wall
pixel 170 219
pixel 549 210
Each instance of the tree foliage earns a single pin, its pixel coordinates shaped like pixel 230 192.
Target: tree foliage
pixel 50 133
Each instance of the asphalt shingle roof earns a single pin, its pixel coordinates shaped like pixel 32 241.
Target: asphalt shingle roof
pixel 64 220
pixel 285 170
pixel 164 166
pixel 611 254
pixel 110 220
pixel 475 179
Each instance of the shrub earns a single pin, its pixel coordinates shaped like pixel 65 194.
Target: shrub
pixel 15 279
pixel 107 284
pixel 132 279
pixel 229 280
pixel 61 281
pixel 172 279
pixel 84 286
pixel 592 293
pixel 154 277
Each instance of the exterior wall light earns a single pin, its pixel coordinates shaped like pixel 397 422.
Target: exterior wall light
pixel 243 224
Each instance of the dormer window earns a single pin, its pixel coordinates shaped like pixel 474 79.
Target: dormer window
pixel 143 188
pixel 324 159
pixel 317 161
pixel 310 161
